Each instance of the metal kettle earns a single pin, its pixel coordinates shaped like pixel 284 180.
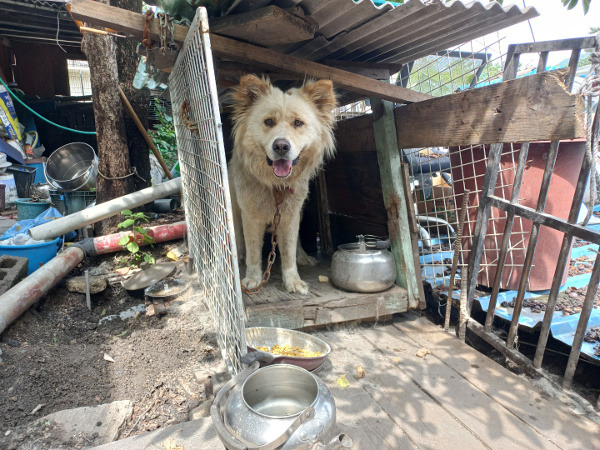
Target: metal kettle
pixel 364 266
pixel 276 407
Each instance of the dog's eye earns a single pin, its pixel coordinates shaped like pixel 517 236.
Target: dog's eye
pixel 269 122
pixel 298 123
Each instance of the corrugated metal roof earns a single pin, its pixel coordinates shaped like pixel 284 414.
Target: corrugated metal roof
pixel 362 31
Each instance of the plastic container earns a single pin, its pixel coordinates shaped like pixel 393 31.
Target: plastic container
pixel 27 209
pixel 10 192
pixel 24 177
pixel 59 200
pixel 78 200
pixel 37 254
pixel 38 164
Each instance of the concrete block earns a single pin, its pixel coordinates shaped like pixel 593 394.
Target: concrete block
pixel 12 270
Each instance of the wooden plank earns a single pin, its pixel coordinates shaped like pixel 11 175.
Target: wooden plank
pixel 265 26
pixel 355 135
pixel 390 169
pixel 379 71
pixel 549 415
pixel 549 46
pixel 357 413
pixel 512 111
pixel 418 415
pixel 494 425
pixel 122 20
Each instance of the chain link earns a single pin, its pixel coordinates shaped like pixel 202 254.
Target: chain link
pixel 278 194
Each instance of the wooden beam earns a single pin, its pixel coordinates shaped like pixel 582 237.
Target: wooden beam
pixel 127 22
pixel 379 71
pixel 132 24
pixel 268 59
pixel 550 46
pixel 392 186
pixel 533 108
pixel 265 26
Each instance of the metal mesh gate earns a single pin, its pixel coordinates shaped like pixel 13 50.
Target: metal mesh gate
pixel 206 189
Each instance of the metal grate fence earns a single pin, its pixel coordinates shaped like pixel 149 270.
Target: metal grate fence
pixel 206 189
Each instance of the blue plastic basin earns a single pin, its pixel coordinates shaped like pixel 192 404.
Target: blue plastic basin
pixel 38 254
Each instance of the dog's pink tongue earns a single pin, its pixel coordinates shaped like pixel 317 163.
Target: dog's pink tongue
pixel 282 167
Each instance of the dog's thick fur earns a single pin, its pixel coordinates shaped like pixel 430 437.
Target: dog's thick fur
pixel 263 117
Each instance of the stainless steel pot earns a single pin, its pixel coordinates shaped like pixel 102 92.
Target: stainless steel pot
pixel 72 167
pixel 359 267
pixel 276 407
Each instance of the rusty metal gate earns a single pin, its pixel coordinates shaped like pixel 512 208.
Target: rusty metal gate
pixel 538 217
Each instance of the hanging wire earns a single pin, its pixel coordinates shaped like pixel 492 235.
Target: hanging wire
pixel 58 31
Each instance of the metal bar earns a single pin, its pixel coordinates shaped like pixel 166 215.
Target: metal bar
pixel 588 303
pixel 457 250
pixel 18 37
pixel 478 74
pixel 533 238
pixel 587 234
pixel 510 218
pixel 460 54
pixel 483 216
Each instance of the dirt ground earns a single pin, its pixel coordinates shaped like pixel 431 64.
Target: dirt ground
pixel 54 356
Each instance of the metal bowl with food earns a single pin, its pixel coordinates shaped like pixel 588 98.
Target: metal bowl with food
pixel 286 346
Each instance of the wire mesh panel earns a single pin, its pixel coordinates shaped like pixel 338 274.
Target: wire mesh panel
pixel 206 189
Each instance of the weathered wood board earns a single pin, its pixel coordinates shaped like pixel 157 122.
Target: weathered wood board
pixel 267 26
pixel 533 108
pixel 325 304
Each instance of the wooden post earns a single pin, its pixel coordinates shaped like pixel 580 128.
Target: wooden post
pixel 390 168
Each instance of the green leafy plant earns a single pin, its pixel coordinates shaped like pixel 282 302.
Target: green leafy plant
pixel 163 135
pixel 138 234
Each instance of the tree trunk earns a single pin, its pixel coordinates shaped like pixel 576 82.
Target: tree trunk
pixel 113 153
pixel 127 62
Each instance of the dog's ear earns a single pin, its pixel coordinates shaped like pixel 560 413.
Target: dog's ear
pixel 321 94
pixel 250 89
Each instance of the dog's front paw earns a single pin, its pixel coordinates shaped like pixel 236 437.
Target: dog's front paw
pixel 295 284
pixel 251 282
pixel 307 261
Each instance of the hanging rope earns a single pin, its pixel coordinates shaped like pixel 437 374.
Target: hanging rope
pixel 590 89
pixel 132 173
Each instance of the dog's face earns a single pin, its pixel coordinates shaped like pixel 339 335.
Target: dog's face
pixel 287 131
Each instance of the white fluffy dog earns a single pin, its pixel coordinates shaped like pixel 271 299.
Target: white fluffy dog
pixel 280 141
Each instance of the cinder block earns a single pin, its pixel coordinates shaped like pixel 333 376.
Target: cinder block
pixel 12 270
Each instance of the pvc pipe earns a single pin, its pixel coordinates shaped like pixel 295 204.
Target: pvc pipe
pixel 20 297
pixel 104 210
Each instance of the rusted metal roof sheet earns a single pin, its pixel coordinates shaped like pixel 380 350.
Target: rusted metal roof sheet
pixel 362 31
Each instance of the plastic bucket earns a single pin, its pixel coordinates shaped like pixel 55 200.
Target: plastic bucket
pixel 27 209
pixel 39 166
pixel 24 177
pixel 37 254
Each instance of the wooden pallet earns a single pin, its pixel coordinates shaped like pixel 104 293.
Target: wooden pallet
pixel 325 304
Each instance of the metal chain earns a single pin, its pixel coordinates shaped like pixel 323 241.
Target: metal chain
pixel 186 119
pixel 162 28
pixel 146 37
pixel 278 194
pixel 132 173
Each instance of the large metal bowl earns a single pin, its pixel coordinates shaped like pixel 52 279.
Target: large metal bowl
pixel 72 167
pixel 270 336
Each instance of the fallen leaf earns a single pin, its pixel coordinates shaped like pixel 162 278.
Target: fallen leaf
pixel 397 360
pixel 123 271
pixel 172 256
pixel 323 279
pixel 37 408
pixel 103 312
pixel 360 372
pixel 108 358
pixel 170 444
pixel 342 381
pixel 422 352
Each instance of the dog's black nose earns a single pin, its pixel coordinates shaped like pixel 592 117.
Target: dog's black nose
pixel 281 146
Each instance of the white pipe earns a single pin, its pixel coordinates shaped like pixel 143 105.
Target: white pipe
pixel 104 210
